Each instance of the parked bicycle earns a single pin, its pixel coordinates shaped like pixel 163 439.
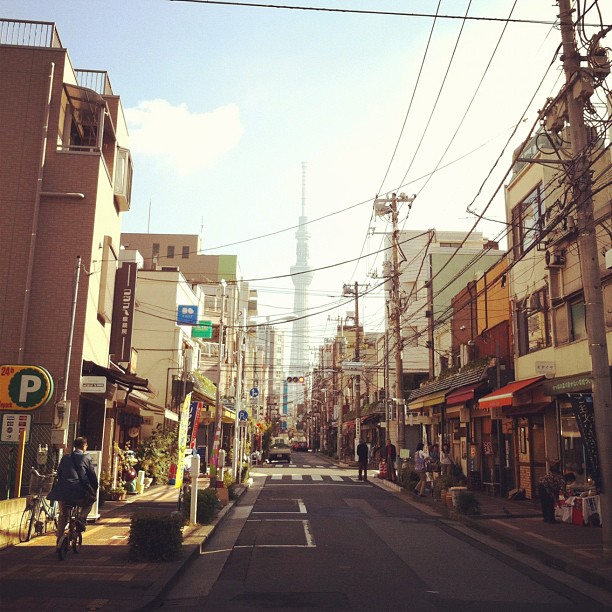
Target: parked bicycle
pixel 39 512
pixel 73 534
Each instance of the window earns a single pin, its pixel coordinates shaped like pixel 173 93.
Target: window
pixel 170 252
pixel 532 323
pixel 155 253
pixel 108 271
pixel 185 252
pixel 123 178
pixel 527 221
pixel 577 311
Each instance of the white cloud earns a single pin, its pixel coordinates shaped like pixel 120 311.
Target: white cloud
pixel 187 141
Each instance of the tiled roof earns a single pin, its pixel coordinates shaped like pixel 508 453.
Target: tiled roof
pixel 461 379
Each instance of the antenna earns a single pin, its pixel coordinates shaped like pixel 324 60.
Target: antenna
pixel 304 164
pixel 149 221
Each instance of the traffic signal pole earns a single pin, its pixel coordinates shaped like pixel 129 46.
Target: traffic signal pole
pixel 580 185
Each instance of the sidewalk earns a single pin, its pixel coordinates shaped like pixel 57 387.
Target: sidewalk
pixel 100 577
pixel 574 549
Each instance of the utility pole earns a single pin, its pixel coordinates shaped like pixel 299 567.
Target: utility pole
pixel 357 395
pixel 383 206
pixel 218 408
pixel 580 177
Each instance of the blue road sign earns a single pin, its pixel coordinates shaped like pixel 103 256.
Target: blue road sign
pixel 254 392
pixel 243 415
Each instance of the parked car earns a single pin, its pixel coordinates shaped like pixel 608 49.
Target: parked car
pixel 300 446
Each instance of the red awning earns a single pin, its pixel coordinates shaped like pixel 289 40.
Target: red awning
pixel 462 394
pixel 503 396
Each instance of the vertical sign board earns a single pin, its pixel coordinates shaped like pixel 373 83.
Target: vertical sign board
pixel 195 409
pixel 13 425
pixel 123 312
pixel 182 441
pixel 582 406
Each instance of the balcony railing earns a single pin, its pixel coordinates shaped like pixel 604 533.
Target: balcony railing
pixel 97 80
pixel 29 33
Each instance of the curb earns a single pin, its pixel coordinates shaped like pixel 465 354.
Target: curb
pixel 194 539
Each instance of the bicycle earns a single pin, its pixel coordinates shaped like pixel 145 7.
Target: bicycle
pixel 73 534
pixel 38 512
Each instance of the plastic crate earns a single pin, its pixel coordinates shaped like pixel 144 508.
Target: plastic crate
pixel 41 485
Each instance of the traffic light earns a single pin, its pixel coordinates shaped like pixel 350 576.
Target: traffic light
pixel 295 379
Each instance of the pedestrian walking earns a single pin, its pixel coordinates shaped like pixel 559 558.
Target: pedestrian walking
pixel 549 487
pixel 362 456
pixel 390 458
pixel 420 467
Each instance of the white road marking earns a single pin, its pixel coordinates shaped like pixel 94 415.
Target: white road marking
pixel 277 476
pixel 337 478
pixel 296 477
pixel 317 477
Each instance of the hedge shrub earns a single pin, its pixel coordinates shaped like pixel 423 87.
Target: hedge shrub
pixel 467 503
pixel 155 536
pixel 208 505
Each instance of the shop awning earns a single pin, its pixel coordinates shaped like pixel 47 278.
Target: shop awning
pixel 427 400
pixel 122 379
pixel 504 396
pixel 463 394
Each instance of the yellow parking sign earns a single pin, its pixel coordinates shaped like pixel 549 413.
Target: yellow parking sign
pixel 24 387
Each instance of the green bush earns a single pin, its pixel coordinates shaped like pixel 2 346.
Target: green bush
pixel 155 536
pixel 208 505
pixel 467 503
pixel 155 454
pixel 408 478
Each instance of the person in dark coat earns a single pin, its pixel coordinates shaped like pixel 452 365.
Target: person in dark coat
pixel 390 458
pixel 362 456
pixel 68 489
pixel 549 487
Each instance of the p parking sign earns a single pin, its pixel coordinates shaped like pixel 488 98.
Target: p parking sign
pixel 24 387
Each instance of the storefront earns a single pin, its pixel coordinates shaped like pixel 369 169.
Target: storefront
pixel 577 443
pixel 463 433
pixel 521 437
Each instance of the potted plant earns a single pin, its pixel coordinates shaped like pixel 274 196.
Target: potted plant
pixel 118 493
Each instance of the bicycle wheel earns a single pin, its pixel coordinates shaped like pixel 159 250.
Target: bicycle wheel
pixel 77 541
pixel 26 524
pixel 62 549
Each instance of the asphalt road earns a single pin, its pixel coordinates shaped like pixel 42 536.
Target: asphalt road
pixel 311 536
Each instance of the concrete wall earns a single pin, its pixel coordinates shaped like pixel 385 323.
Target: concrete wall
pixel 10 517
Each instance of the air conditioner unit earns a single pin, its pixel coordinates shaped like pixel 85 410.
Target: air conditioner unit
pixel 555 258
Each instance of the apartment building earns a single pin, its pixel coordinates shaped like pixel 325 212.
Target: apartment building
pixel 66 177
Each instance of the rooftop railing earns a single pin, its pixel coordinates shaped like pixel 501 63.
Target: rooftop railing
pixel 29 33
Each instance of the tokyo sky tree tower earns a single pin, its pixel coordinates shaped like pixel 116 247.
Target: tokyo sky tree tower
pixel 302 277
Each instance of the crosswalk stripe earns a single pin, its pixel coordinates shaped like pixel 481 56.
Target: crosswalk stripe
pixel 337 478
pixel 317 477
pixel 277 476
pixel 296 477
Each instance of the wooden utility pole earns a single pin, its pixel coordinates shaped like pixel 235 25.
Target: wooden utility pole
pixel 579 176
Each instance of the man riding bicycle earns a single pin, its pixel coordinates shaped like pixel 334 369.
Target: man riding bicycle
pixel 76 485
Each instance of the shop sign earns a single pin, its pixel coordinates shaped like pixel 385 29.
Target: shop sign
pixel 567 384
pixel 93 384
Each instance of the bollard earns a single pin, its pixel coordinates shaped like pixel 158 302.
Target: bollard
pixel 140 482
pixel 195 470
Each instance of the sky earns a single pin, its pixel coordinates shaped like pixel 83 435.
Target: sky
pixel 225 102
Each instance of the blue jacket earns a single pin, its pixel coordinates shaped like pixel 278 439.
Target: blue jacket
pixel 68 487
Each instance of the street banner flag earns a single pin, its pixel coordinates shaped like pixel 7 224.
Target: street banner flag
pixel 182 442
